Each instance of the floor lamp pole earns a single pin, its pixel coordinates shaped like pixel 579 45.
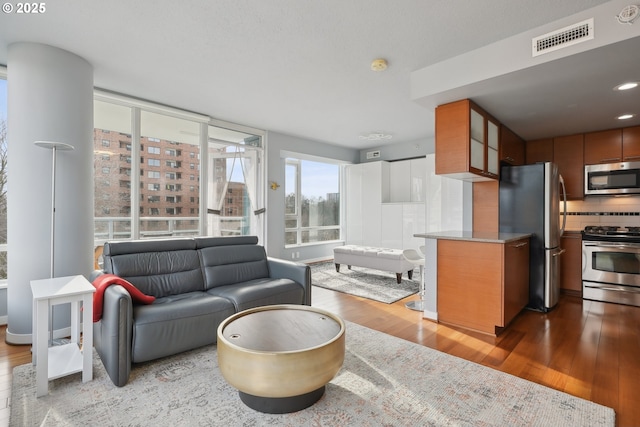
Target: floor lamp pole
pixel 54 147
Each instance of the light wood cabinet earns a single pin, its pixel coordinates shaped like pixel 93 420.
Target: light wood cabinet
pixel 539 150
pixel 568 154
pixel 512 147
pixel 603 147
pixel 467 142
pixel 631 144
pixel 571 262
pixel 612 146
pixel 482 286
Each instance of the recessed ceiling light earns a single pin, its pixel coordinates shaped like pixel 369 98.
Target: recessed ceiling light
pixel 376 136
pixel 626 86
pixel 625 116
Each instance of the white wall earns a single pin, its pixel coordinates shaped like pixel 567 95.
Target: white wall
pixel 404 150
pixel 278 143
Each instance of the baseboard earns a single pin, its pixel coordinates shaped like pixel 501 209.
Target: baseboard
pixel 20 339
pixel 430 315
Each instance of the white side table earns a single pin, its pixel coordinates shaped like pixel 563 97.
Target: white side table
pixel 58 361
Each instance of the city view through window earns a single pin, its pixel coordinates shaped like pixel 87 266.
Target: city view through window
pixel 153 188
pixel 312 201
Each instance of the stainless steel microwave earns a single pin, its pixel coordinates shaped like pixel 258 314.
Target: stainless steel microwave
pixel 612 179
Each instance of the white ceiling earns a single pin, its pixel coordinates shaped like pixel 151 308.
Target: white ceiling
pixel 302 67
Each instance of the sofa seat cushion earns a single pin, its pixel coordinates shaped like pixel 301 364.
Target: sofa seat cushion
pixel 259 292
pixel 177 323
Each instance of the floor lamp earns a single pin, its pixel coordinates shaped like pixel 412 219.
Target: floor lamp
pixel 54 147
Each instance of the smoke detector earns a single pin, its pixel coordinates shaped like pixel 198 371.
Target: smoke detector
pixel 379 64
pixel 628 14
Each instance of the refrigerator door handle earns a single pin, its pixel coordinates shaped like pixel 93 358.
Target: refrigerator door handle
pixel 564 200
pixel 558 253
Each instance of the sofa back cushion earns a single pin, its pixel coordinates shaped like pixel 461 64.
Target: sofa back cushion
pixel 228 260
pixel 156 267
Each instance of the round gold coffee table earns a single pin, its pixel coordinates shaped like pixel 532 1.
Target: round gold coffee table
pixel 280 357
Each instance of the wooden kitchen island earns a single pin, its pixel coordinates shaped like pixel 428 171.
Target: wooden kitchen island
pixel 476 280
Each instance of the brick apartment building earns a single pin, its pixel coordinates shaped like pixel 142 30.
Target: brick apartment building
pixel 169 185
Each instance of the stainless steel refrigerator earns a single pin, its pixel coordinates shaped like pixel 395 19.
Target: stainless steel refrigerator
pixel 530 203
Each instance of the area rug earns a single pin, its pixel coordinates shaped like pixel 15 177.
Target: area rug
pixel 363 282
pixel 385 381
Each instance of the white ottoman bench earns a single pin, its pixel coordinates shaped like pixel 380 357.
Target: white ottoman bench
pixel 376 258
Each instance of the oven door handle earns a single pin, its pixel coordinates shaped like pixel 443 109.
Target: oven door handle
pixel 612 245
pixel 628 289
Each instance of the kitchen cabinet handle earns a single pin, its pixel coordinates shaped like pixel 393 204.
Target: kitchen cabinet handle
pixel 520 245
pixel 612 159
pixel 631 157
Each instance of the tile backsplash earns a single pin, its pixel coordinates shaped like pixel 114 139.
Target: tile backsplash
pixel 620 211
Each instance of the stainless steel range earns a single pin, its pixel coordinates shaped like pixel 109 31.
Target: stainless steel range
pixel 611 264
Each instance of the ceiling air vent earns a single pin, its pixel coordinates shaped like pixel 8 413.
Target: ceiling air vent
pixel 373 154
pixel 559 39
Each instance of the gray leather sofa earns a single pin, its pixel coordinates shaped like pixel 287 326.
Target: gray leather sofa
pixel 197 282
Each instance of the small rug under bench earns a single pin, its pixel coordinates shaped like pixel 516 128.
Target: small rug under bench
pixel 363 282
pixel 384 381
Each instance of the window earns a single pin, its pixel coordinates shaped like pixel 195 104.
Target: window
pixel 112 140
pixel 312 201
pixel 149 165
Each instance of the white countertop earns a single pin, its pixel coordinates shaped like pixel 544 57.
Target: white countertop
pixel 474 236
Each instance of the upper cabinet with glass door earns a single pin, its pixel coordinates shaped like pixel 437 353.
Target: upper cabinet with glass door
pixel 467 142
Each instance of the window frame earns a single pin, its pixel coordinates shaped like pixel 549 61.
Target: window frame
pixel 295 160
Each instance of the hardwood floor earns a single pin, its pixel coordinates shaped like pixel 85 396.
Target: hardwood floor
pixel 584 348
pixel 588 349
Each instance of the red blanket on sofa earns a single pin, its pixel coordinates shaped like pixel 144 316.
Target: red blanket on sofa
pixel 102 282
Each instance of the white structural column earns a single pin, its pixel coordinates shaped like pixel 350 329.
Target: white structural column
pixel 50 98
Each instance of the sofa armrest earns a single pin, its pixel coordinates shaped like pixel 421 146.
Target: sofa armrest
pixel 95 274
pixel 112 334
pixel 298 272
